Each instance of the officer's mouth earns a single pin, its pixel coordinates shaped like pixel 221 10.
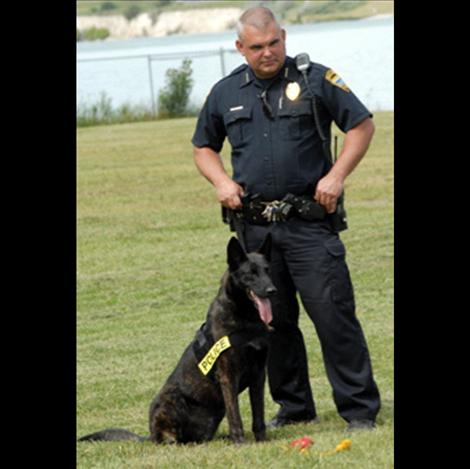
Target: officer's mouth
pixel 269 63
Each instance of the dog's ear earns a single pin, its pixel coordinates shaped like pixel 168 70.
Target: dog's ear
pixel 265 248
pixel 235 254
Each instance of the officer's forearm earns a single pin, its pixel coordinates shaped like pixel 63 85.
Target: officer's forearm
pixel 355 146
pixel 209 163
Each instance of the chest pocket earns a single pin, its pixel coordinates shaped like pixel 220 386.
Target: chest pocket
pixel 295 118
pixel 238 125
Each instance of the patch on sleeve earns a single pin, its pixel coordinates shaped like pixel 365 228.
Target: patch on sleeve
pixel 336 80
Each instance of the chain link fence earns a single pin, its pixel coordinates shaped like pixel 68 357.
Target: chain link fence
pixel 132 74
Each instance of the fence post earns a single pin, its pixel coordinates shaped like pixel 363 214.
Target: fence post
pixel 152 97
pixel 222 61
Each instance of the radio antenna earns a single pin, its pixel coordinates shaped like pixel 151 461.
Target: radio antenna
pixel 336 149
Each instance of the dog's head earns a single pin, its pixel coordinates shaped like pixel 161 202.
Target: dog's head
pixel 250 273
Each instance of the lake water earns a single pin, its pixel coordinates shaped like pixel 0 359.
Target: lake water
pixel 360 51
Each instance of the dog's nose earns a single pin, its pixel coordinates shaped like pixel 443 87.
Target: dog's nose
pixel 271 290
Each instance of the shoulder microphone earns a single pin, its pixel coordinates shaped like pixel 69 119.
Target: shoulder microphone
pixel 302 62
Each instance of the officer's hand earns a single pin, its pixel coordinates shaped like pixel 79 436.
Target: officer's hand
pixel 229 193
pixel 329 188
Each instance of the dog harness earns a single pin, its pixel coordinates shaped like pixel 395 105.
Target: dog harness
pixel 207 350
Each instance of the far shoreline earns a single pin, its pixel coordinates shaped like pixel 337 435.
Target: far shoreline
pixel 125 36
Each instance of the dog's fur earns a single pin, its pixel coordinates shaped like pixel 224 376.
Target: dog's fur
pixel 190 406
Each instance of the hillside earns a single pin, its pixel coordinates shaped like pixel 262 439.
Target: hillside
pixel 124 19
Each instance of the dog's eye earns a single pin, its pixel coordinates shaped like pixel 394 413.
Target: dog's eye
pixel 254 269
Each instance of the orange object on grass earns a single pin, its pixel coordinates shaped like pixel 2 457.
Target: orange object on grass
pixel 302 443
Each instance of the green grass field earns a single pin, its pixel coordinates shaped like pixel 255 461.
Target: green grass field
pixel 150 253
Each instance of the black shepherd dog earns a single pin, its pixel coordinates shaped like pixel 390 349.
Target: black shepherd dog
pixel 227 355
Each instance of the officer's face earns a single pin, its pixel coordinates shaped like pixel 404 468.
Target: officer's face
pixel 264 50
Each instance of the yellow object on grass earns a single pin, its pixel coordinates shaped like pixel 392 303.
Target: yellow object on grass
pixel 345 444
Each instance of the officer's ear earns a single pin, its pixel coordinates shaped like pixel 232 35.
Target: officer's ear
pixel 239 46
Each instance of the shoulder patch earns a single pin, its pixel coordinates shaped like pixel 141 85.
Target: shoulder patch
pixel 336 80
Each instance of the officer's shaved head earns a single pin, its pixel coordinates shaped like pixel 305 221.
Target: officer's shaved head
pixel 257 17
pixel 261 41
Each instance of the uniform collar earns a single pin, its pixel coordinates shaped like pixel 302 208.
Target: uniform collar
pixel 288 72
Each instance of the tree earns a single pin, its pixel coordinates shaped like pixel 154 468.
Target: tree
pixel 174 97
pixel 131 12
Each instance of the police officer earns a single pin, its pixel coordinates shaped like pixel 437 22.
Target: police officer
pixel 265 109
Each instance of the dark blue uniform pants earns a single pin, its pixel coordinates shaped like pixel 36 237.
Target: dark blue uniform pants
pixel 308 258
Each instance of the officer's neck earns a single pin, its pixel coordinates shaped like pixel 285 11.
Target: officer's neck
pixel 266 81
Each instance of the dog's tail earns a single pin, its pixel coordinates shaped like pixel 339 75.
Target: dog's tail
pixel 113 434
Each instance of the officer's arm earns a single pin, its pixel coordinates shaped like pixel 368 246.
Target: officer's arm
pixel 355 146
pixel 209 163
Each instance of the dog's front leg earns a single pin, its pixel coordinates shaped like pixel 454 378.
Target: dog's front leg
pixel 228 380
pixel 257 406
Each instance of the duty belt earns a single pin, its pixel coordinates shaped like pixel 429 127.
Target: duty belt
pixel 260 212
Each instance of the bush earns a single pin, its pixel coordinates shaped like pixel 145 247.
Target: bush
pixel 100 112
pixel 174 97
pixel 103 113
pixel 93 34
pixel 131 12
pixel 107 6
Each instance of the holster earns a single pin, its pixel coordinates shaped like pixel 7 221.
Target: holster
pixel 338 220
pixel 305 207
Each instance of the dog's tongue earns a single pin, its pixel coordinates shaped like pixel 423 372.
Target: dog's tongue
pixel 264 308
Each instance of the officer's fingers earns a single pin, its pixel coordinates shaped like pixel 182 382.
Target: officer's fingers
pixel 331 204
pixel 235 202
pixel 241 191
pixel 326 200
pixel 321 198
pixel 236 196
pixel 224 196
pixel 232 201
pixel 317 197
pixel 226 201
pixel 331 207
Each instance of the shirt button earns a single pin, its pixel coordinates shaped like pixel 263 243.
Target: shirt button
pixel 265 134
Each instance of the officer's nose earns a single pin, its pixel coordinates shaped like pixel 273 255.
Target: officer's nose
pixel 267 52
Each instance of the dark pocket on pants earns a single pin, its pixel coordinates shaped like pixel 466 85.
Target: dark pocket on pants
pixel 340 279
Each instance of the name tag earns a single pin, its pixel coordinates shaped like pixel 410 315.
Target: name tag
pixel 206 364
pixel 237 108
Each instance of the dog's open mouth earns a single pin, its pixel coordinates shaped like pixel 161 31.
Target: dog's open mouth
pixel 263 305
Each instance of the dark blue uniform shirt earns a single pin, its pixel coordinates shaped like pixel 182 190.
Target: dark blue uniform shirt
pixel 283 153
